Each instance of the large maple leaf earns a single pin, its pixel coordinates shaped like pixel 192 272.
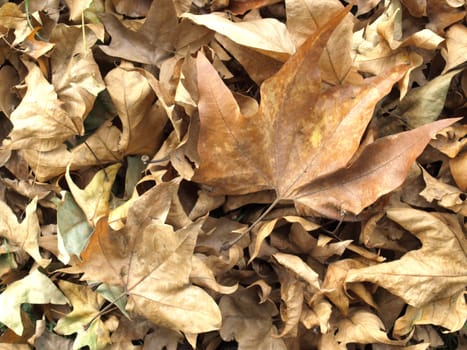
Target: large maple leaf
pixel 302 135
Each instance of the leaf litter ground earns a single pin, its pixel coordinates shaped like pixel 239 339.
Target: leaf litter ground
pixel 256 174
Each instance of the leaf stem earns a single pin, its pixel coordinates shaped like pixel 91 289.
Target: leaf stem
pixel 228 245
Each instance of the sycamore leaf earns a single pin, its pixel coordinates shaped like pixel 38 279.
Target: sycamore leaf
pixel 153 264
pixel 152 43
pixel 449 313
pixel 75 75
pixel 363 327
pixel 73 228
pixel 35 288
pixel 424 104
pixel 137 109
pixel 86 305
pixel 305 17
pixel 248 322
pixel 94 199
pixel 267 35
pixel 40 121
pixel 455 52
pixel 283 148
pixel 381 167
pixel 24 235
pixel 300 268
pixel 435 271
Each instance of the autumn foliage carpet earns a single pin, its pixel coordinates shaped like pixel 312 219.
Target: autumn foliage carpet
pixel 219 174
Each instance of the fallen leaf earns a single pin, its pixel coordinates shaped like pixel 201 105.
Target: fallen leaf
pixel 24 235
pixel 449 313
pixel 282 148
pixel 40 121
pixel 363 327
pixel 268 36
pixel 126 258
pixel 35 288
pixel 86 305
pixel 73 228
pixel 75 74
pixel 248 322
pixel 152 43
pixel 381 167
pixel 433 272
pixel 445 195
pixel 94 199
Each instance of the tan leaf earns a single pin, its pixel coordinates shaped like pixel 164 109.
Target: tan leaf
pixel 75 74
pixel 268 36
pixel 201 275
pixel 300 268
pixel 153 263
pixel 35 288
pixel 24 235
pixel 458 167
pixel 445 195
pixel 305 17
pixel 449 313
pixel 435 271
pixel 152 43
pixel 137 109
pixel 248 322
pixel 94 199
pixel 40 121
pixel 86 305
pixel 364 327
pixel 292 295
pixel 455 52
pixel 354 188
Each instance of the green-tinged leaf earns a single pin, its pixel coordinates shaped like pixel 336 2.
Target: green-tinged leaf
pixel 35 288
pixel 73 228
pixel 94 199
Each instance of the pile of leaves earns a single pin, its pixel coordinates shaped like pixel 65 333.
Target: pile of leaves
pixel 233 174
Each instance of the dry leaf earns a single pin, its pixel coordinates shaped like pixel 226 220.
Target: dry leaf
pixel 433 272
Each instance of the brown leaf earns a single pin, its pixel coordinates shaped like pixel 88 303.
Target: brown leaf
pixel 153 263
pixel 381 167
pixel 281 147
pixel 433 272
pixel 152 43
pixel 248 322
pixel 24 235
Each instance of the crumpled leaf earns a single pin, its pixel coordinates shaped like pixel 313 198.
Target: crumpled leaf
pixel 435 271
pixel 94 199
pixel 455 52
pixel 266 35
pixel 445 195
pixel 449 313
pixel 364 327
pixel 137 109
pixel 24 235
pixel 248 322
pixel 300 268
pixel 40 121
pixel 86 305
pixel 152 43
pixel 148 250
pixel 73 228
pixel 281 147
pixel 75 74
pixel 35 288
